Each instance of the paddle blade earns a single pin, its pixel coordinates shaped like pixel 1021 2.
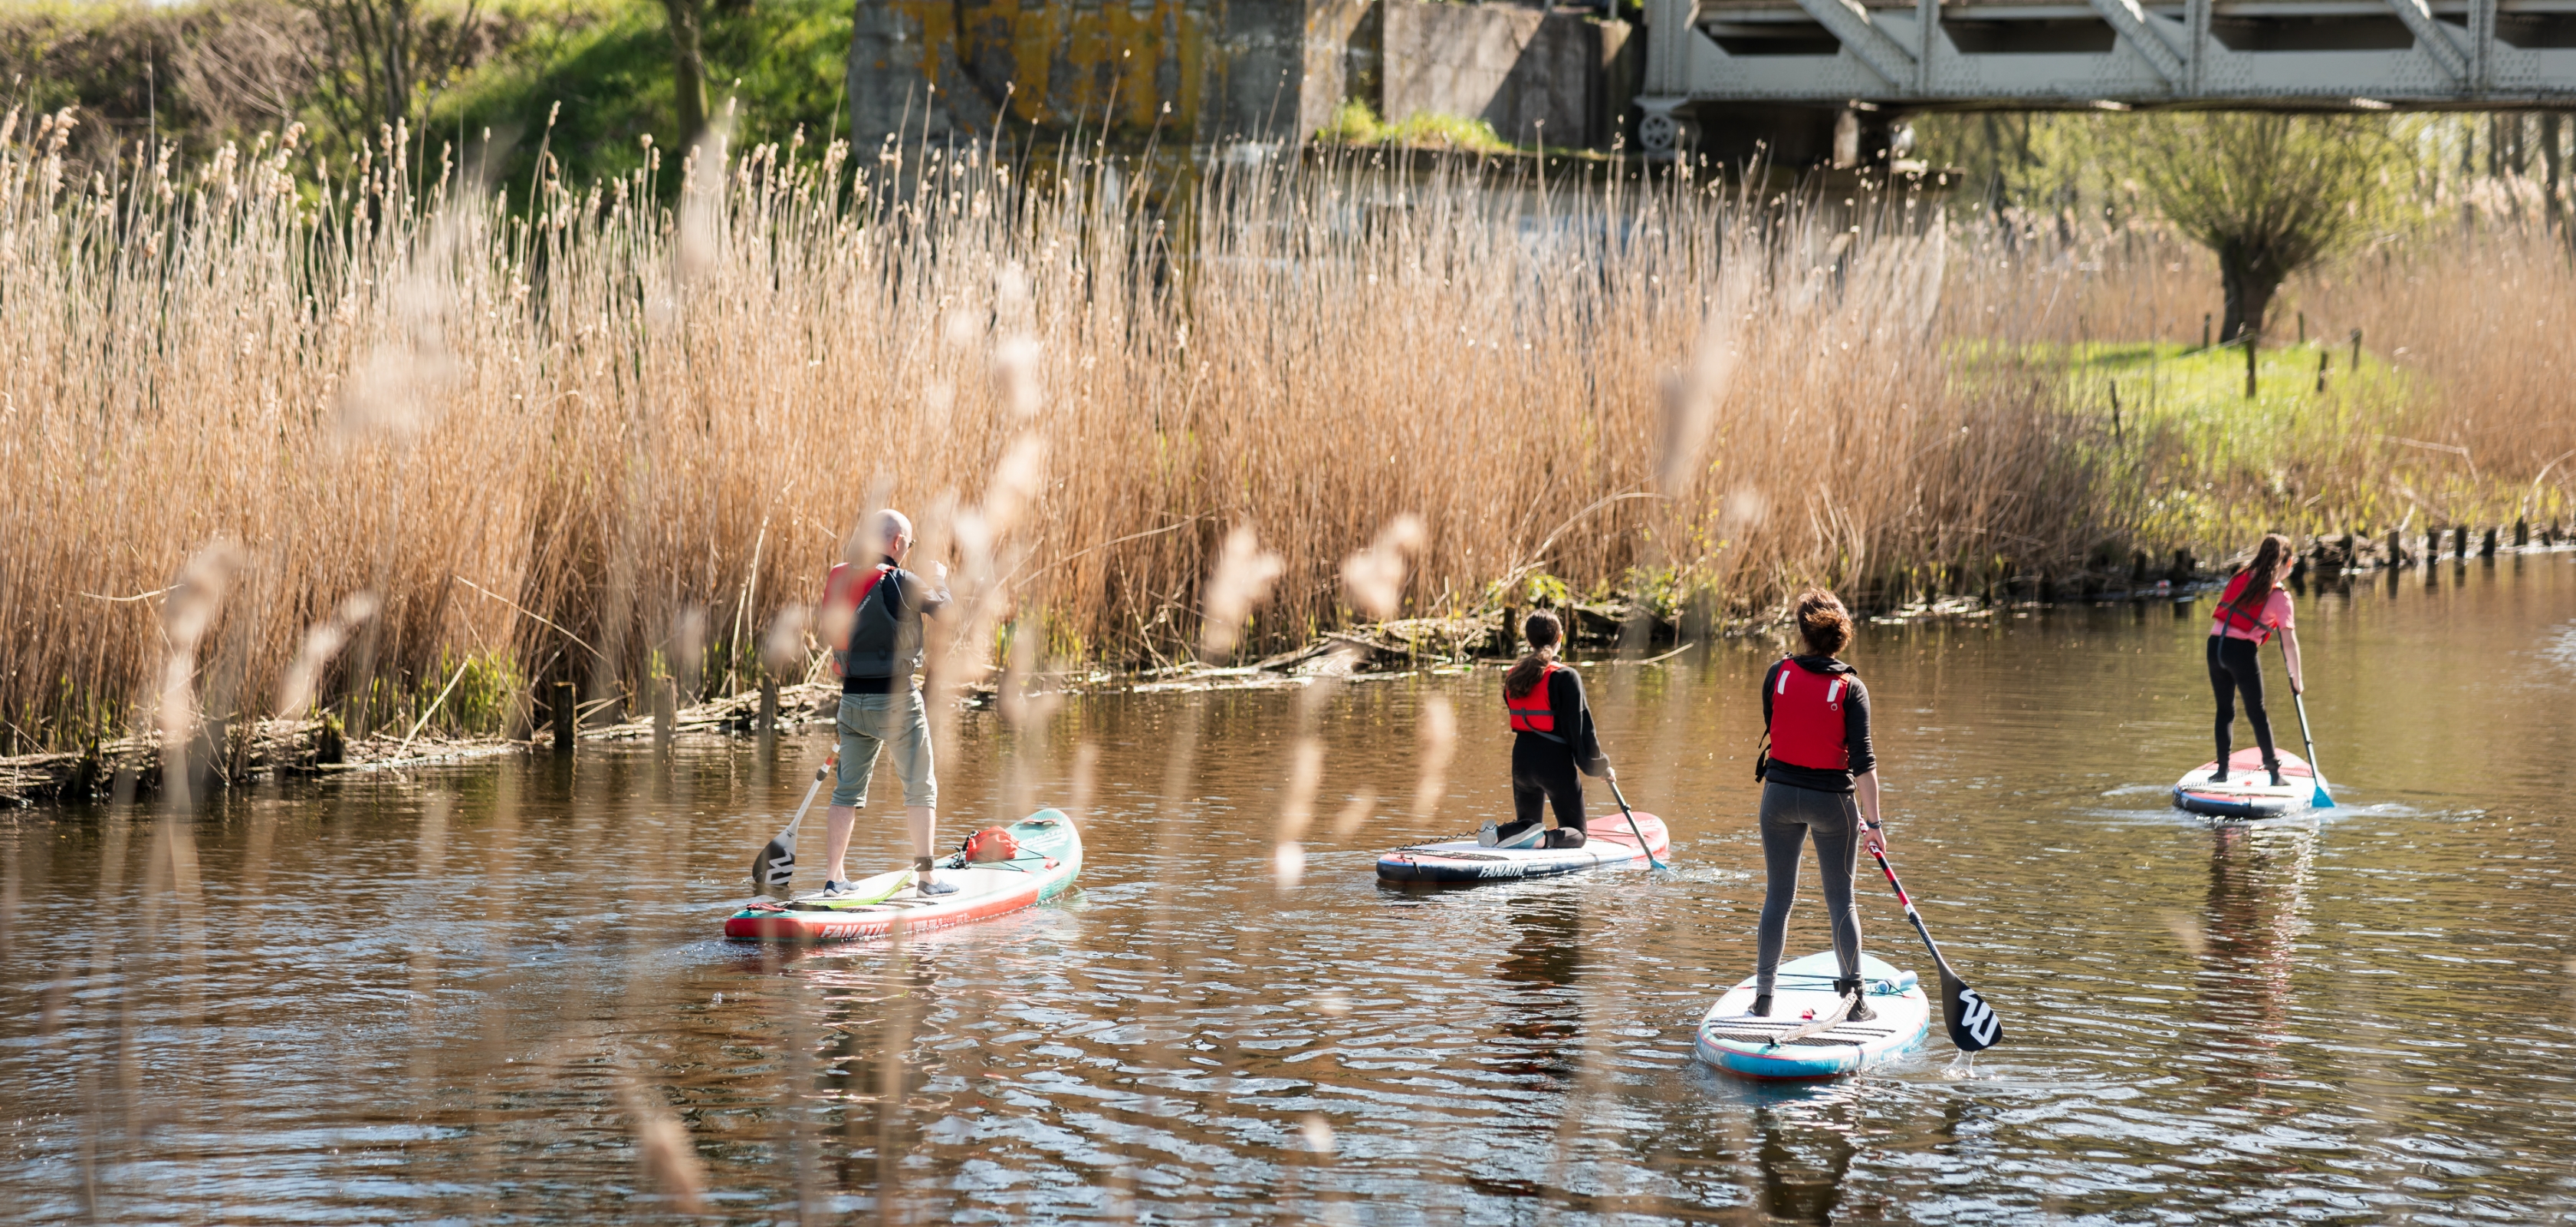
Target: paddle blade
pixel 776 863
pixel 1973 1025
pixel 2323 799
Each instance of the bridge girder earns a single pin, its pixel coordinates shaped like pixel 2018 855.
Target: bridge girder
pixel 2118 54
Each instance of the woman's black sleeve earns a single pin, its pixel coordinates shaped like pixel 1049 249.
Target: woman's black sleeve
pixel 1565 701
pixel 1855 728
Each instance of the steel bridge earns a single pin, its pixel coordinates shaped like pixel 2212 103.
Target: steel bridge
pixel 1918 55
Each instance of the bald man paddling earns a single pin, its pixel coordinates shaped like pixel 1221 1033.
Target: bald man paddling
pixel 872 612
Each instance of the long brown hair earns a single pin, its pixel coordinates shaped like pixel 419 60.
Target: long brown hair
pixel 1543 632
pixel 2263 572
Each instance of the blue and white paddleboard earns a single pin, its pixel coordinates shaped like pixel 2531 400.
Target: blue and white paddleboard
pixel 1741 1044
pixel 2248 791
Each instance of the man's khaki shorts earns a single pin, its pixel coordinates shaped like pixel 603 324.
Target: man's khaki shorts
pixel 897 722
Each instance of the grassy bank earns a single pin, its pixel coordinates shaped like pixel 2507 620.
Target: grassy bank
pixel 277 442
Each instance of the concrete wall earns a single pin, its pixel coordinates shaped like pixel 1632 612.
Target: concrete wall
pixel 1535 75
pixel 1205 71
pixel 1201 70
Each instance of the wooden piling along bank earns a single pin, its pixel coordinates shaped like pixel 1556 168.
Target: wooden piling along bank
pixel 230 753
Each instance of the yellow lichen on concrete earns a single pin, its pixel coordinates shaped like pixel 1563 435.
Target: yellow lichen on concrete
pixel 1069 64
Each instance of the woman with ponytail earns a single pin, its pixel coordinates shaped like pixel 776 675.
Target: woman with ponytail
pixel 1820 782
pixel 2252 606
pixel 1554 745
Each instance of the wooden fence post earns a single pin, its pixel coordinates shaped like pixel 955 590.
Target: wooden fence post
pixel 666 710
pixel 567 715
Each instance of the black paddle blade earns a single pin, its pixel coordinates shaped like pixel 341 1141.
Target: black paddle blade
pixel 776 863
pixel 1973 1025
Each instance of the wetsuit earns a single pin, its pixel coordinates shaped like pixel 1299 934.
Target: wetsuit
pixel 1549 767
pixel 2236 635
pixel 1809 796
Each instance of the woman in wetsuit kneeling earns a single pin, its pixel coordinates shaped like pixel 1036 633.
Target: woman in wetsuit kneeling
pixel 1815 717
pixel 1553 744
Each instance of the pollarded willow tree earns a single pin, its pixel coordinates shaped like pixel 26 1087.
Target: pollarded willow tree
pixel 2269 195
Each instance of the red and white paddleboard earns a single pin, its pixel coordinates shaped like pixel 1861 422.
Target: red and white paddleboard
pixel 1607 841
pixel 2248 791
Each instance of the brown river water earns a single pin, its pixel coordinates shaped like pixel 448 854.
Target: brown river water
pixel 430 996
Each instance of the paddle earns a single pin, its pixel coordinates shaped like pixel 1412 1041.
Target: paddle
pixel 776 863
pixel 2322 799
pixel 1973 1025
pixel 1632 826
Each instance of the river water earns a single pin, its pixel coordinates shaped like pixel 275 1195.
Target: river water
pixel 433 995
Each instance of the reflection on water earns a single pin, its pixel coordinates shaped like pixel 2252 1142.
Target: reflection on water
pixel 440 995
pixel 2257 886
pixel 1547 1011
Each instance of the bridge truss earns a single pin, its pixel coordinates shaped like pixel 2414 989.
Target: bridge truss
pixel 1992 54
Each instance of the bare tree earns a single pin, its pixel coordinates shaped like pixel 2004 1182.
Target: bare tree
pixel 375 56
pixel 2268 194
pixel 248 66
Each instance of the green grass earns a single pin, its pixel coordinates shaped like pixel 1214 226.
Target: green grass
pixel 2210 463
pixel 1356 123
pixel 608 64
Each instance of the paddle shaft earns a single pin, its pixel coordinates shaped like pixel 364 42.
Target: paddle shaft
pixel 1632 826
pixel 1880 855
pixel 2300 701
pixel 1972 1022
pixel 775 863
pixel 821 774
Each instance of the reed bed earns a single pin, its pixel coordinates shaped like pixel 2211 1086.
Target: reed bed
pixel 617 439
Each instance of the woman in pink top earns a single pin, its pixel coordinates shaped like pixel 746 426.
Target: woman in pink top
pixel 2249 610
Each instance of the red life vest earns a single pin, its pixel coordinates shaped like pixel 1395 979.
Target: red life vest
pixel 1531 713
pixel 2231 617
pixel 1807 718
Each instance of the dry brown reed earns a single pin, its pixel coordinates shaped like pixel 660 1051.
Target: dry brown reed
pixel 567 441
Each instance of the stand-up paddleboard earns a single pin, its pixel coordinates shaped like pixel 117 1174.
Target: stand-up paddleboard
pixel 1606 842
pixel 1050 857
pixel 1753 1047
pixel 2249 791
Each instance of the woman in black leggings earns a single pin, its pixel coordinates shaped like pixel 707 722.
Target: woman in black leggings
pixel 1554 745
pixel 2252 606
pixel 1816 715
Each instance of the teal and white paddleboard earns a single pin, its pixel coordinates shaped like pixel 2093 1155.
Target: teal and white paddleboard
pixel 1050 858
pixel 1751 1047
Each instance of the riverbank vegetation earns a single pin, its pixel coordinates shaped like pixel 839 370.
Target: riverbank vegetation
pixel 369 422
